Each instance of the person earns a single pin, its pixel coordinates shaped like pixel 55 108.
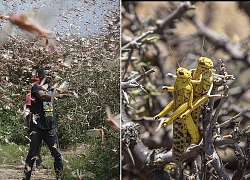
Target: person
pixel 39 164
pixel 43 125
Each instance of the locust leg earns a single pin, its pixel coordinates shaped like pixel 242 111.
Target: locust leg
pixel 185 109
pixel 181 109
pixel 200 101
pixel 165 111
pixel 191 126
pixel 177 113
pixel 192 129
pixel 222 76
pixel 170 105
pixel 168 88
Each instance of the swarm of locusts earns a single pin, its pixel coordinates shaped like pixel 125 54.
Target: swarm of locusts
pixel 26 23
pixel 191 89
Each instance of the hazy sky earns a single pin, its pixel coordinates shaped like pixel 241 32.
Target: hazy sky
pixel 64 16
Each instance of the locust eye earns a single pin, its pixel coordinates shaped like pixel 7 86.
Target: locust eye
pixel 181 73
pixel 202 62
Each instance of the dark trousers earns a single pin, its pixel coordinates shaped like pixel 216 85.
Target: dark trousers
pixel 27 127
pixel 39 159
pixel 50 138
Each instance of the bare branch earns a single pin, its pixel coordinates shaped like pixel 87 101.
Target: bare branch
pixel 210 151
pixel 233 118
pixel 135 42
pixel 176 14
pixel 133 83
pixel 238 174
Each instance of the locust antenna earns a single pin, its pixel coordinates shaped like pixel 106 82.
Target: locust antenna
pixel 203 42
pixel 209 51
pixel 183 60
pixel 174 56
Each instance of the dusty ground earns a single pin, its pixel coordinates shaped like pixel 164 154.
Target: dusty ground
pixel 11 172
pixel 15 172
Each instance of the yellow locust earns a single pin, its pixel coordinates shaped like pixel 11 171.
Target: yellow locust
pixel 200 93
pixel 182 129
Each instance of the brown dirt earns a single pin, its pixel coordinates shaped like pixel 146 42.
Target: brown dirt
pixel 12 172
pixel 15 172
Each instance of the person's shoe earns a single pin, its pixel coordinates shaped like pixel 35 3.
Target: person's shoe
pixel 59 178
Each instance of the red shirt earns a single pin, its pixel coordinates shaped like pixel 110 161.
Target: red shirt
pixel 27 99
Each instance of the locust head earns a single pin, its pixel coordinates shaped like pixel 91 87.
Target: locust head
pixel 183 73
pixel 205 63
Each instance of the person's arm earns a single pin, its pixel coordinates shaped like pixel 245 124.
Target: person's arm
pixel 43 96
pixel 47 97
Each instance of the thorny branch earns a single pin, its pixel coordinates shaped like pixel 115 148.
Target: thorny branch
pixel 135 43
pixel 209 122
pixel 233 118
pixel 133 83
